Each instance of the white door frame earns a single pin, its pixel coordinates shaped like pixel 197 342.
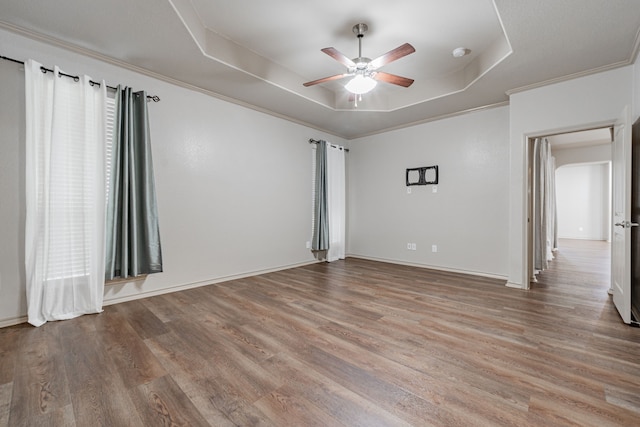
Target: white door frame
pixel 527 223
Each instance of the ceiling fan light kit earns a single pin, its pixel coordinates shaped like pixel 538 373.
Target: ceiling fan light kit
pixel 360 84
pixel 364 70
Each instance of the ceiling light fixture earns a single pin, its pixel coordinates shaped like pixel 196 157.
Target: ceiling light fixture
pixel 459 52
pixel 360 84
pixel 364 71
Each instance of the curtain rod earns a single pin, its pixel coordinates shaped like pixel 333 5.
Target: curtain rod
pixel 153 98
pixel 314 141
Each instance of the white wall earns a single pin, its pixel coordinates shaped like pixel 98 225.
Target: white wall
pixel 592 154
pixel 591 101
pixel 635 111
pixel 233 184
pixel 466 218
pixel 582 193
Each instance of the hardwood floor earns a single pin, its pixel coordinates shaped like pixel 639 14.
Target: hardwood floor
pixel 355 343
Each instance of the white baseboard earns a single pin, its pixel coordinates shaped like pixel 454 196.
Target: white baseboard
pixel 430 267
pixel 115 300
pixel 599 239
pixel 181 287
pixel 191 285
pixel 11 321
pixel 514 285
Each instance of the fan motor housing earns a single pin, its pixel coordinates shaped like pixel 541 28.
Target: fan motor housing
pixel 361 62
pixel 360 29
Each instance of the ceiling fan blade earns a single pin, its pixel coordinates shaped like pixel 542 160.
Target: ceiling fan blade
pixel 392 55
pixel 326 79
pixel 393 79
pixel 339 56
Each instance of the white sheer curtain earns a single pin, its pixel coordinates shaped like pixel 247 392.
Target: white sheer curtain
pixel 336 202
pixel 65 186
pixel 544 204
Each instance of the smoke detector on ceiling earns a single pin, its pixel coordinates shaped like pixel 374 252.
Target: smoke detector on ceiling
pixel 459 52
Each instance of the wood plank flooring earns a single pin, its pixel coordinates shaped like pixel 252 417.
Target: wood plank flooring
pixel 351 343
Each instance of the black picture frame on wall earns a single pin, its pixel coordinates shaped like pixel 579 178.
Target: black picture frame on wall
pixel 426 175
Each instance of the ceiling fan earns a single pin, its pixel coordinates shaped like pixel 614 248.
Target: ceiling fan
pixel 364 70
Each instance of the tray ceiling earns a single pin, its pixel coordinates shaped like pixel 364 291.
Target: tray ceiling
pixel 259 53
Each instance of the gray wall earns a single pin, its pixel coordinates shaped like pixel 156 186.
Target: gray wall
pixel 13 302
pixel 583 201
pixel 234 192
pixel 233 184
pixel 467 217
pixel 584 193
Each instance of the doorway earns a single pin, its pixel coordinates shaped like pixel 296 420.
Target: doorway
pixel 581 268
pixel 582 187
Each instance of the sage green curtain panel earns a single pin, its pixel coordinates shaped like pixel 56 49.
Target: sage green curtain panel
pixel 320 239
pixel 132 230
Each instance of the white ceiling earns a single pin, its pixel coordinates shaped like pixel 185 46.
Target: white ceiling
pixel 259 53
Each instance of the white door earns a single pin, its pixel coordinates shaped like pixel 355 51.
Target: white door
pixel 621 232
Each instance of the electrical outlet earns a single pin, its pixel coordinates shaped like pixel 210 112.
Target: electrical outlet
pixel 408 246
pixel 308 245
pixel 434 248
pixel 408 190
pixel 434 189
pixel 413 246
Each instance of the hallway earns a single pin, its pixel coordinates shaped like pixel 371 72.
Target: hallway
pixel 579 267
pixel 579 277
